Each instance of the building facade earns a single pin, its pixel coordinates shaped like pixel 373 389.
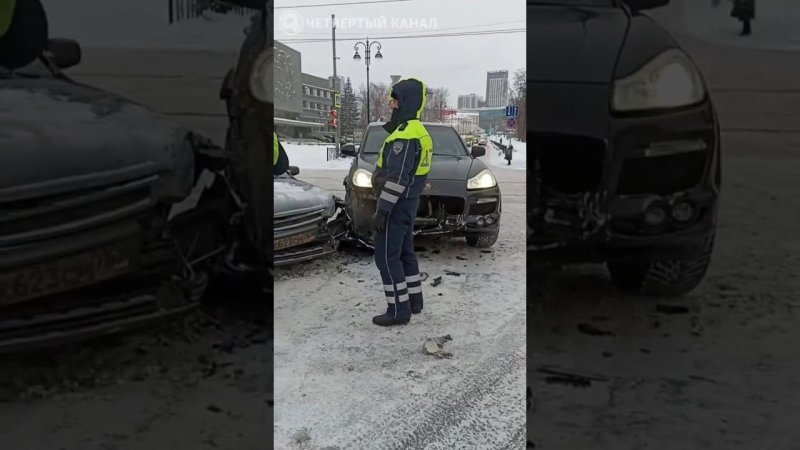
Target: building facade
pixel 496 88
pixel 302 101
pixel 469 101
pixel 463 123
pixel 317 104
pixel 488 118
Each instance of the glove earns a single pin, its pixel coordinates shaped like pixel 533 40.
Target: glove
pixel 379 221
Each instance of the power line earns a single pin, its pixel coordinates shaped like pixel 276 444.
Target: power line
pixel 417 36
pixel 340 4
pixel 325 33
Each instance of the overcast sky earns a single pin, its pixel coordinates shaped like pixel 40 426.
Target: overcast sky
pixel 458 63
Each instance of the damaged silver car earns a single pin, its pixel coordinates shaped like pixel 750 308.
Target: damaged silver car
pixel 309 221
pixel 108 220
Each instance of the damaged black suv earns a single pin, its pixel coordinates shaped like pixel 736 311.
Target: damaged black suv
pixel 461 196
pixel 625 146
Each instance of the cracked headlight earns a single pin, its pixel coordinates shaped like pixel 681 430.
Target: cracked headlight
pixel 261 77
pixel 670 80
pixel 483 180
pixel 330 209
pixel 362 178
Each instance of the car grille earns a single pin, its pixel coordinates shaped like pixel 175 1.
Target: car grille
pixel 569 164
pixel 29 220
pixel 662 175
pixel 298 220
pixel 434 205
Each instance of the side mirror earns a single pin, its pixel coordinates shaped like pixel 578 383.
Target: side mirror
pixel 638 5
pixel 294 171
pixel 348 150
pixel 64 52
pixel 478 151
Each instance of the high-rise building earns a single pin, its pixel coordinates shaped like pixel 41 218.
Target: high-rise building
pixel 496 88
pixel 468 101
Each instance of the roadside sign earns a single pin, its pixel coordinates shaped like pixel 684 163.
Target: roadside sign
pixel 511 123
pixel 512 111
pixel 336 100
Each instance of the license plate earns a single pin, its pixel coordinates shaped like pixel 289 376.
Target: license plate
pixel 293 241
pixel 67 273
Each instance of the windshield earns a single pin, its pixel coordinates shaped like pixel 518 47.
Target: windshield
pixel 445 141
pixel 573 2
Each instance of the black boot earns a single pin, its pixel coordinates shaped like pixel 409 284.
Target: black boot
pixel 416 304
pixel 395 315
pixel 746 31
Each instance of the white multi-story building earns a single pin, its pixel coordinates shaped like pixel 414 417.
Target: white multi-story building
pixel 463 123
pixel 496 88
pixel 469 101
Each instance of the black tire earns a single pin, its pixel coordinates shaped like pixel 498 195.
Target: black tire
pixel 482 240
pixel 665 278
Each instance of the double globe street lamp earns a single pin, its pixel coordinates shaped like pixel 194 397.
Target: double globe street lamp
pixel 367 50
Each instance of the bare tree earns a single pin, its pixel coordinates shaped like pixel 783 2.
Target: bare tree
pixel 379 101
pixel 518 89
pixel 435 104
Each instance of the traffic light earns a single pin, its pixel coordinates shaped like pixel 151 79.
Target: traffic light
pixel 332 121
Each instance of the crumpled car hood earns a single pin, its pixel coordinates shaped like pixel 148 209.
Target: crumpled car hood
pixel 53 131
pixel 292 195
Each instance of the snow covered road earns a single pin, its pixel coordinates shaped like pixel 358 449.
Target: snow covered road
pixel 341 381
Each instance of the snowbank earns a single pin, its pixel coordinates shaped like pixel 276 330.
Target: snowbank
pixel 494 155
pixel 309 156
pixel 141 24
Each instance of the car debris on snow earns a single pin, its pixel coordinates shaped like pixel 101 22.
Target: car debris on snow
pixel 592 330
pixel 214 408
pixel 436 281
pixel 301 436
pixel 435 346
pixel 672 309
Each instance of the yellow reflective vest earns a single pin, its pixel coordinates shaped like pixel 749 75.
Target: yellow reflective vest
pixel 411 130
pixel 6 13
pixel 276 149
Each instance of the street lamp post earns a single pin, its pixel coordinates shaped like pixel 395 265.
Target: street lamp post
pixel 367 50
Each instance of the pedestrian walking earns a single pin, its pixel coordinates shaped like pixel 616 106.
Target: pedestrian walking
pixel 509 151
pixel 745 11
pixel 402 168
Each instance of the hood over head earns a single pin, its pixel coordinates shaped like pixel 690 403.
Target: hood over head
pixel 410 94
pixel 23 32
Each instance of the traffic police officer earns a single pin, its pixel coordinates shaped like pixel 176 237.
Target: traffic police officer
pixel 280 161
pixel 403 165
pixel 23 32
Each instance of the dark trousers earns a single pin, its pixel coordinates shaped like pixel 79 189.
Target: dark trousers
pixel 395 258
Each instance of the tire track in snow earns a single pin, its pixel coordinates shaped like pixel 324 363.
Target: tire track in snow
pixel 432 422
